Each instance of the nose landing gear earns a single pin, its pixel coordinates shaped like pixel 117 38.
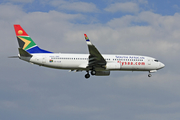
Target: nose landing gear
pixel 149 75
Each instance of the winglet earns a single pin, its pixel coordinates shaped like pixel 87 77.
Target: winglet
pixel 87 39
pixel 95 57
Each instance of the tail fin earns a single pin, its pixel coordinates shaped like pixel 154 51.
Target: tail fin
pixel 25 42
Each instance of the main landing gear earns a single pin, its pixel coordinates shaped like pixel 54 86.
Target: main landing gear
pixel 93 72
pixel 87 76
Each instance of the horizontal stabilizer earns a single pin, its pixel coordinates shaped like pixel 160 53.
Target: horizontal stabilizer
pixel 13 57
pixel 24 53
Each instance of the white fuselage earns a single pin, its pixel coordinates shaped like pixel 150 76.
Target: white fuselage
pixel 80 62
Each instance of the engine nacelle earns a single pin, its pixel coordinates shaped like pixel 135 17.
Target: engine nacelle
pixel 113 66
pixel 102 73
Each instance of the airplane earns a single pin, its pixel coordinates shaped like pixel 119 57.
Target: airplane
pixel 95 63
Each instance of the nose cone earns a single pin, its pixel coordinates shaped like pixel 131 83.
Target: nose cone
pixel 161 65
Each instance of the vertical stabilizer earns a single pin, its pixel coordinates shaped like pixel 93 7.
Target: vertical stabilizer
pixel 25 41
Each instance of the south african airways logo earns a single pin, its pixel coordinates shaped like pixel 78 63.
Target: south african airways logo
pixel 50 60
pixel 20 32
pixel 25 42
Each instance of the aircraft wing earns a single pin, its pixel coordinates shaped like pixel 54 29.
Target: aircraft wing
pixel 95 57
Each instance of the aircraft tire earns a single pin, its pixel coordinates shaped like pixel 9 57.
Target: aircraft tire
pixel 93 72
pixel 87 76
pixel 149 75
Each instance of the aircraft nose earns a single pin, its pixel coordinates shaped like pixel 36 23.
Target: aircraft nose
pixel 162 65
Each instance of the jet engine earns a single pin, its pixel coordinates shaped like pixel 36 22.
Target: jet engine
pixel 102 73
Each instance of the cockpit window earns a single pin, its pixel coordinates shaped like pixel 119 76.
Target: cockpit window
pixel 156 60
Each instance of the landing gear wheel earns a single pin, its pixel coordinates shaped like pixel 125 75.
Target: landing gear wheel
pixel 87 76
pixel 149 75
pixel 93 72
